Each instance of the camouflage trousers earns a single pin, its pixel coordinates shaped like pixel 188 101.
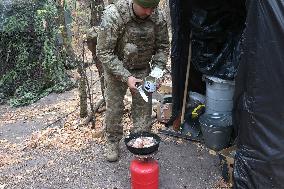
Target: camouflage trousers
pixel 141 111
pixel 101 74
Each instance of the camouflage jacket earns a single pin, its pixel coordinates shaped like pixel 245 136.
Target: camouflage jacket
pixel 126 42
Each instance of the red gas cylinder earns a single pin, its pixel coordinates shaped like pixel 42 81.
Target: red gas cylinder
pixel 144 174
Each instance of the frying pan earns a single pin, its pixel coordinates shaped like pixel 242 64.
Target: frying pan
pixel 142 151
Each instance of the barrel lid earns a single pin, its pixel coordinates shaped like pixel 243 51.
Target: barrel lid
pixel 216 119
pixel 218 80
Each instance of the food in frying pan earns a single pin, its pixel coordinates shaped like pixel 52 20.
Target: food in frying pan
pixel 142 142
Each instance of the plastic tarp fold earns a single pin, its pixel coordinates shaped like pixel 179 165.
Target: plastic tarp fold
pixel 216 29
pixel 180 11
pixel 259 109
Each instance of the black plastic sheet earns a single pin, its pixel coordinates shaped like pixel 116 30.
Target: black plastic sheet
pixel 216 26
pixel 180 15
pixel 259 110
pixel 216 29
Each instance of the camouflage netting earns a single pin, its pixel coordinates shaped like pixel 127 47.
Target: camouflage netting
pixel 31 58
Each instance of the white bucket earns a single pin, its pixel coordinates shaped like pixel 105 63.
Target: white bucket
pixel 219 95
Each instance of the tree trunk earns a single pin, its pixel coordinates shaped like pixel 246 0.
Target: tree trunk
pixel 97 7
pixel 63 29
pixel 82 93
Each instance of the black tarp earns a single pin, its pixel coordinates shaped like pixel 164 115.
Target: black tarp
pixel 259 109
pixel 216 26
pixel 216 29
pixel 180 18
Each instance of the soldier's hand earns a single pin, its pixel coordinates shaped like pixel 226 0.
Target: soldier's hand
pixel 131 82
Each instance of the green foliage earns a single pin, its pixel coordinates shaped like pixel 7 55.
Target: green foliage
pixel 15 24
pixel 31 59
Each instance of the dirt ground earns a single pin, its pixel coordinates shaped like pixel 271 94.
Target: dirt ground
pixel 43 146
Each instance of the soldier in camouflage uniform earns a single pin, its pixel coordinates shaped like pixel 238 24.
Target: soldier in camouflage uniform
pixel 133 38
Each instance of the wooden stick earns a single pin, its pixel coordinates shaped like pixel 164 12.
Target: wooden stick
pixel 186 85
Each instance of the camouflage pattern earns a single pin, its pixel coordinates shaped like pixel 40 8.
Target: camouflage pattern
pixel 129 46
pixel 112 151
pixel 92 43
pixel 147 3
pixel 111 1
pixel 140 110
pixel 97 7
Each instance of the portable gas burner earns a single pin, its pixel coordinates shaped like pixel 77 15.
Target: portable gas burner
pixel 144 169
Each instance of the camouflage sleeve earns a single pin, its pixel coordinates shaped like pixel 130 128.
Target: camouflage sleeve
pixel 161 43
pixel 106 42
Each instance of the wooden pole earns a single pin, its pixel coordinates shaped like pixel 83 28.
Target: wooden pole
pixel 186 84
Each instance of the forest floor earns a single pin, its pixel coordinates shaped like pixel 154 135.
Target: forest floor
pixel 43 146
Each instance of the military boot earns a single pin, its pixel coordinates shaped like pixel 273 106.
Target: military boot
pixel 112 151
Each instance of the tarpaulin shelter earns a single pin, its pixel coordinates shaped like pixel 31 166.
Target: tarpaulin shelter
pixel 241 40
pixel 259 162
pixel 215 27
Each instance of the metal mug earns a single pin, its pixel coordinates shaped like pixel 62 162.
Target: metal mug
pixel 150 84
